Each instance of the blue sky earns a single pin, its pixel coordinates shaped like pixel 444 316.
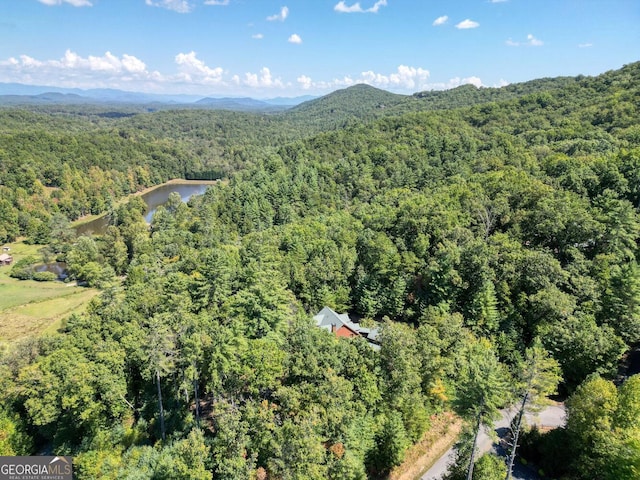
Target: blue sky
pixel 265 48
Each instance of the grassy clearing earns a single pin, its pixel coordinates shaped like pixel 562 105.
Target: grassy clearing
pixel 14 292
pixel 29 308
pixel 42 317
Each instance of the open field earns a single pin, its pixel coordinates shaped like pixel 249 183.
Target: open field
pixel 28 308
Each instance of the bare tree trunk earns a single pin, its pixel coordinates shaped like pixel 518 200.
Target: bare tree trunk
pixel 473 448
pixel 195 390
pixel 512 456
pixel 160 405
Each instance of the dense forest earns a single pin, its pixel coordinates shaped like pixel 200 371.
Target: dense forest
pixel 492 235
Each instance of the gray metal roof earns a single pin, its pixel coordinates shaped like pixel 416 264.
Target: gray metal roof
pixel 328 318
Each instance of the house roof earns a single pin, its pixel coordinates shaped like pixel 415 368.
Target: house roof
pixel 328 318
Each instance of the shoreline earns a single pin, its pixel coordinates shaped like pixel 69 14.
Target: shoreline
pixel 174 181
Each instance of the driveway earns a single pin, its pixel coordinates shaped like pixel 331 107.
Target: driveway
pixel 552 416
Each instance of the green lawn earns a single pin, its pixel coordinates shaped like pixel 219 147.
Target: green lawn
pixel 29 308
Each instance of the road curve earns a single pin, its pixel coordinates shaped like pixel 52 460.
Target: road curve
pixel 552 416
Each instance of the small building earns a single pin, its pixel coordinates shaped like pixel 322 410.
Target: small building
pixel 6 259
pixel 341 325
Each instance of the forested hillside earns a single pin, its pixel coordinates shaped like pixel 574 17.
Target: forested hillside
pixel 480 239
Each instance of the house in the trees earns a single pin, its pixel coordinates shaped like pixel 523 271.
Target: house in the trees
pixel 341 325
pixel 5 259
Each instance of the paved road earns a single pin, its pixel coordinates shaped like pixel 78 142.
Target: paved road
pixel 551 417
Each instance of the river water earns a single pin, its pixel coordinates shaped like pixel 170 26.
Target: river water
pixel 153 199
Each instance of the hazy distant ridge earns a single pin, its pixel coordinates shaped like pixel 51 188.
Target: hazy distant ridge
pixel 17 94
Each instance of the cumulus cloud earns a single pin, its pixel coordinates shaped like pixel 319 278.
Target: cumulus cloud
pixel 216 2
pixel 404 78
pixel 133 64
pixel 263 79
pixel 192 69
pixel 192 75
pixel 75 3
pixel 455 82
pixel 305 82
pixel 180 6
pixel 257 36
pixel 295 38
pixel 342 7
pixel 72 61
pixel 440 20
pixel 466 24
pixel 282 16
pixel 73 70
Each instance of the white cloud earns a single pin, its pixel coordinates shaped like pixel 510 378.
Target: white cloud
pixel 133 64
pixel 440 20
pixel 180 6
pixel 455 82
pixel 404 78
pixel 305 82
pixel 107 63
pixel 216 2
pixel 191 74
pixel 295 38
pixel 533 41
pixel 73 70
pixel 501 83
pixel 257 36
pixel 75 3
pixel 465 24
pixel 195 70
pixel 342 7
pixel 282 16
pixel 264 79
pixel 475 81
pixel 585 45
pixel 498 1
pixel 127 72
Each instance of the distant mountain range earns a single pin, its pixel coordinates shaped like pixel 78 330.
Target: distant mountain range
pixel 359 102
pixel 20 94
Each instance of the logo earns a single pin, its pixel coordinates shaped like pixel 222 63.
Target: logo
pixel 36 468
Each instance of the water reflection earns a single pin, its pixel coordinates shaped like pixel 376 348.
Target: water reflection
pixel 153 199
pixel 160 195
pixel 59 268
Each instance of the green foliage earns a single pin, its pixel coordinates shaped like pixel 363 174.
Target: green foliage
pixel 475 230
pixel 44 276
pixel 582 347
pixel 23 268
pixel 601 436
pixel 489 467
pixel 13 438
pixel 392 442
